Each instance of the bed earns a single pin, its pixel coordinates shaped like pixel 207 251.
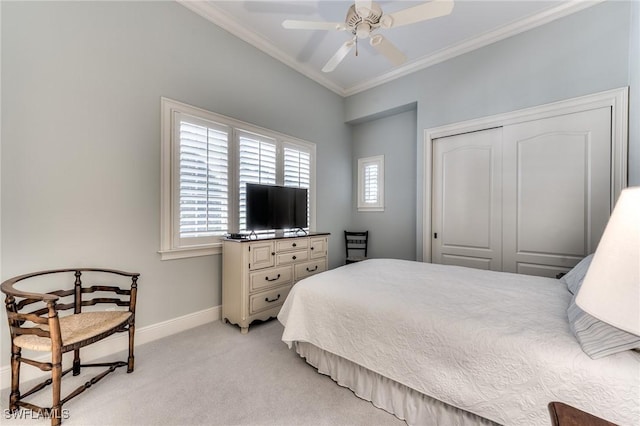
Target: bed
pixel 436 344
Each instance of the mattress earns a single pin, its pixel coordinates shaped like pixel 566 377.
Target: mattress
pixel 491 343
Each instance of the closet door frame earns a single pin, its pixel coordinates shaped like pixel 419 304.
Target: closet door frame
pixel 616 99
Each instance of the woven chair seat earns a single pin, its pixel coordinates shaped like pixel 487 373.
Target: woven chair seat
pixel 75 328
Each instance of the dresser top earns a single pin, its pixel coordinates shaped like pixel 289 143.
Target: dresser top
pixel 273 236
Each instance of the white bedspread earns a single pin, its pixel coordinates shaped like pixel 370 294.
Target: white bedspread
pixel 492 343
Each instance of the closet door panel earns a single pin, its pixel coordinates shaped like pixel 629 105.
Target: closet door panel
pixel 556 181
pixel 469 262
pixel 467 200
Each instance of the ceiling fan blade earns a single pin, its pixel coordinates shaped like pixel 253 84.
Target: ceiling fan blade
pixel 385 47
pixel 292 24
pixel 363 8
pixel 428 10
pixel 338 56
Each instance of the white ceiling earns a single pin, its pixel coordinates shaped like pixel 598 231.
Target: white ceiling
pixel 471 25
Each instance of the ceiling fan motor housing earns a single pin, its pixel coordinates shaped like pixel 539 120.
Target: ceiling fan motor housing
pixel 361 26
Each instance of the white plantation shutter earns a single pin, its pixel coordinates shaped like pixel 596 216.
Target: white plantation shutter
pixel 257 164
pixel 297 167
pixel 203 206
pixel 297 171
pixel 371 183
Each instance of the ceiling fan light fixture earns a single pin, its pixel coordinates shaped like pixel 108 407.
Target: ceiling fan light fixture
pixel 363 30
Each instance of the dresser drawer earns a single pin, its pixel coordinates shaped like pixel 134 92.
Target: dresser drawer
pixel 291 257
pixel 307 269
pixel 270 278
pixel 268 299
pixel 292 244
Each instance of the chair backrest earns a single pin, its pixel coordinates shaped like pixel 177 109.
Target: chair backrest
pixel 27 308
pixel 356 241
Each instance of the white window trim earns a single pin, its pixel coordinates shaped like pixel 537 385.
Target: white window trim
pixel 362 164
pixel 169 247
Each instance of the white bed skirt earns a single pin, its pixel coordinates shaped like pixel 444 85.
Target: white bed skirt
pixel 405 403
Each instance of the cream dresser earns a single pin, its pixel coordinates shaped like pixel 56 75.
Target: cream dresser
pixel 258 274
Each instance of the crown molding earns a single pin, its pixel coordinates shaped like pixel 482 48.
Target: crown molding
pixel 476 42
pixel 207 10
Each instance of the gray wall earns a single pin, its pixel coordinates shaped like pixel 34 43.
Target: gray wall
pixel 391 232
pixel 583 53
pixel 81 88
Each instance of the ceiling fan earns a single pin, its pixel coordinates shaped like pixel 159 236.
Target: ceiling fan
pixel 364 17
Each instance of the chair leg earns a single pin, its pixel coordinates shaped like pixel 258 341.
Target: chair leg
pixel 56 381
pixel 15 378
pixel 76 362
pixel 130 360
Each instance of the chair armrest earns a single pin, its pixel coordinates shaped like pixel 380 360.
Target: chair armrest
pixel 8 289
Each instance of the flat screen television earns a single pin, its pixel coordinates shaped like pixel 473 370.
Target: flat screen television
pixel 275 207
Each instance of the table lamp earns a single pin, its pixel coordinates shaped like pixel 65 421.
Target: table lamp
pixel 611 288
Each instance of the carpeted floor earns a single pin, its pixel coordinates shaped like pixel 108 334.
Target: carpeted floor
pixel 213 375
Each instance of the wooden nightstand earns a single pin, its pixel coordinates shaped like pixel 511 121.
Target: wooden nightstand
pixel 566 415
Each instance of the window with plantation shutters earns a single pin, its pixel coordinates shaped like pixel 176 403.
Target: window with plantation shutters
pixel 203 196
pixel 297 170
pixel 371 183
pixel 257 160
pixel 297 167
pixel 207 161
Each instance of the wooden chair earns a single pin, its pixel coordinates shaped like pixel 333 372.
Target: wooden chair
pixel 356 242
pixel 35 325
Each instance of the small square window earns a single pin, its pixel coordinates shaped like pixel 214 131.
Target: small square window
pixel 371 184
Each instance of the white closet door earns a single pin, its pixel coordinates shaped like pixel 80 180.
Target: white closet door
pixel 556 190
pixel 467 200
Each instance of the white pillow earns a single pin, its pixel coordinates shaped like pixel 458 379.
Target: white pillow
pixel 573 278
pixel 597 338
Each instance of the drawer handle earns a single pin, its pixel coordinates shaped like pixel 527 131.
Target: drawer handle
pixel 312 270
pixel 272 279
pixel 266 299
pixel 294 245
pixel 273 253
pixel 311 248
pixel 293 257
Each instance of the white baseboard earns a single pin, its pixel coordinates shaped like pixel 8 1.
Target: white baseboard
pixel 120 342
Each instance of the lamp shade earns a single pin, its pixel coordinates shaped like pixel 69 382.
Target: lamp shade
pixel 611 288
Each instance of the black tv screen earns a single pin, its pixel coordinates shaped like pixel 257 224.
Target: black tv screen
pixel 276 207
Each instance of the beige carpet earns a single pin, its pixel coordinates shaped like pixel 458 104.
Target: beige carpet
pixel 213 375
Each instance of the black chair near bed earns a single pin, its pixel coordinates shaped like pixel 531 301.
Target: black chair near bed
pixel 356 244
